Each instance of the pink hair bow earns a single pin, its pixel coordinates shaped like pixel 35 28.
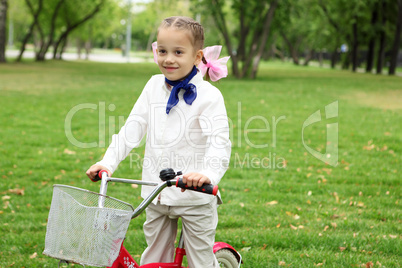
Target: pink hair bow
pixel 154 46
pixel 217 67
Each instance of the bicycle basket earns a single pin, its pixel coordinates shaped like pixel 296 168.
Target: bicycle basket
pixel 80 231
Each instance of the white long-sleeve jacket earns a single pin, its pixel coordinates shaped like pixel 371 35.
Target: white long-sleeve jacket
pixel 191 138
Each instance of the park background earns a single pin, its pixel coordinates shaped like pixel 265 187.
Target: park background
pixel 283 207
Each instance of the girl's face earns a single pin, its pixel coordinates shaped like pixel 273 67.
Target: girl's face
pixel 176 53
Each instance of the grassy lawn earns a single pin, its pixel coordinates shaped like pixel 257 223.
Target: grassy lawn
pixel 282 206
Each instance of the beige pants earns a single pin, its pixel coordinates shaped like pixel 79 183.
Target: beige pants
pixel 199 225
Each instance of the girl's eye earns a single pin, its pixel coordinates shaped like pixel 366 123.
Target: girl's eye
pixel 178 52
pixel 162 51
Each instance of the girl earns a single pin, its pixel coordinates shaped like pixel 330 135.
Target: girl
pixel 186 126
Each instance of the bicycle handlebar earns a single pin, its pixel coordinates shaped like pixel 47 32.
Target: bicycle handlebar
pixel 206 188
pixel 98 176
pixel 174 179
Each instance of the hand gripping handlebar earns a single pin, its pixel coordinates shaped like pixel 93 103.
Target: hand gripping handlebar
pixel 169 174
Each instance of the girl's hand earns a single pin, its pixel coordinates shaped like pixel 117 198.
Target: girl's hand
pixel 94 170
pixel 195 179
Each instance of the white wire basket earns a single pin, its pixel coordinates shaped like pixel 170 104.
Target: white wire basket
pixel 85 227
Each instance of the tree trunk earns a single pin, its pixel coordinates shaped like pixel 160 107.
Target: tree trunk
pixel 260 27
pixel 334 56
pixel 277 52
pixel 28 35
pixel 309 56
pixel 397 39
pixel 88 47
pixel 371 46
pixel 40 55
pixel 264 39
pixel 381 49
pixel 79 47
pixel 220 22
pixel 355 46
pixel 3 20
pixel 292 49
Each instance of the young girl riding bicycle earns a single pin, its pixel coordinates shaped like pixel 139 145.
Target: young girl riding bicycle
pixel 185 123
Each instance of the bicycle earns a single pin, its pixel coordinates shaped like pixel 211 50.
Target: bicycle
pixel 89 228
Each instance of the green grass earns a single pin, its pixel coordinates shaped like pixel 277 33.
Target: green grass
pixel 282 206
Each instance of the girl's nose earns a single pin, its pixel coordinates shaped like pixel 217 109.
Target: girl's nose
pixel 169 59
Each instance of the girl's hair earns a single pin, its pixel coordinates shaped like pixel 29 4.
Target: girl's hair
pixel 193 27
pixel 184 23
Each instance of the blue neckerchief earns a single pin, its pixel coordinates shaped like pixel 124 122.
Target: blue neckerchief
pixel 190 90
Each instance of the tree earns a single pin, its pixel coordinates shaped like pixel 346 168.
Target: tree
pixel 69 10
pixel 397 39
pixel 372 39
pixel 54 20
pixel 382 37
pixel 300 24
pixel 3 20
pixel 35 15
pixel 247 39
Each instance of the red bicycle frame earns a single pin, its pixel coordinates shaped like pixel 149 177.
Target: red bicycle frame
pixel 125 260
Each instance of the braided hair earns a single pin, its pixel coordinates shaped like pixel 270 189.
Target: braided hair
pixel 193 27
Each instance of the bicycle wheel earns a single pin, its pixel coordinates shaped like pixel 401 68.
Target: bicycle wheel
pixel 226 259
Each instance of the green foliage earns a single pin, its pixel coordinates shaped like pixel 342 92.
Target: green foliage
pixel 282 207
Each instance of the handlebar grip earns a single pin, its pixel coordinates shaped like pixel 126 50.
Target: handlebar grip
pixel 206 188
pixel 98 176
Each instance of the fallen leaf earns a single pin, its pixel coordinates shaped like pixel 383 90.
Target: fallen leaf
pixel 278 225
pixel 342 249
pixel 369 264
pixel 6 197
pixel 393 236
pixel 293 227
pixel 33 256
pixel 282 263
pixel 334 225
pixel 326 228
pixel 246 249
pixel 242 205
pixel 274 202
pixel 67 151
pixel 135 186
pixel 16 191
